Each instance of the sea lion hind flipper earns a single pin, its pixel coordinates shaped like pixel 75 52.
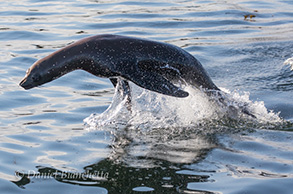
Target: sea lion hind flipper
pixel 156 82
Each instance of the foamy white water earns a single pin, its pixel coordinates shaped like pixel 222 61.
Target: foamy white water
pixel 153 110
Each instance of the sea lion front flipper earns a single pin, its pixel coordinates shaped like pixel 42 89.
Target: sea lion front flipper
pixel 156 82
pixel 147 78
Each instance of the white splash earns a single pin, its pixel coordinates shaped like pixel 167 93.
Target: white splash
pixel 179 130
pixel 153 110
pixel 240 100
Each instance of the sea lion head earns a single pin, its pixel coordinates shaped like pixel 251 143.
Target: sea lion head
pixel 41 72
pixel 34 77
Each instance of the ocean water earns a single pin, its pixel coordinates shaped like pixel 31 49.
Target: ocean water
pixel 75 134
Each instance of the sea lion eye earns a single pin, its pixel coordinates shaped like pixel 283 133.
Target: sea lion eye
pixel 36 77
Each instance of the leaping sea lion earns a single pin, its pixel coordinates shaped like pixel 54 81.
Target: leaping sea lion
pixel 152 65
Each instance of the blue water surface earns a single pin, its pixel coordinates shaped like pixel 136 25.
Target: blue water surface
pixel 44 147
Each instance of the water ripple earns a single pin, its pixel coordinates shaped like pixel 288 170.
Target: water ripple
pixel 242 44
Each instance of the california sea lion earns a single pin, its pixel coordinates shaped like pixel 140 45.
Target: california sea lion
pixel 149 64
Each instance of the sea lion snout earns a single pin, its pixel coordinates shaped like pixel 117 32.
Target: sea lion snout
pixel 34 77
pixel 25 84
